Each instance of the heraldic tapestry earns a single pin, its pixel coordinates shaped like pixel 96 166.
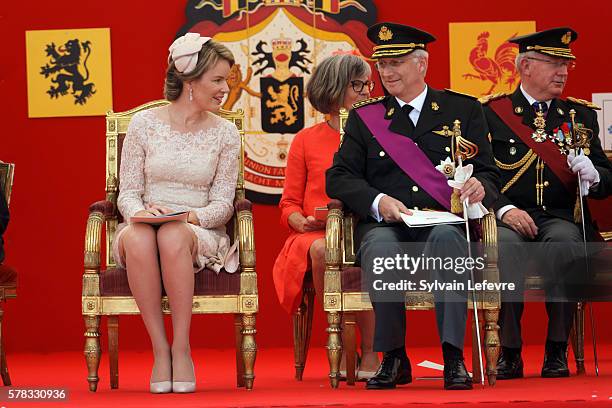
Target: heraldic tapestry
pixel 277 43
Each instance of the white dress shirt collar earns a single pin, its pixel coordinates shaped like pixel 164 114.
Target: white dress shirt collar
pixel 416 103
pixel 531 99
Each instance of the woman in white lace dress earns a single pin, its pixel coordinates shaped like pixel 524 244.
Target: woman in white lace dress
pixel 180 157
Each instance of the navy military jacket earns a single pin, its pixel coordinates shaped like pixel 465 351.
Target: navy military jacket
pixel 362 169
pixel 508 149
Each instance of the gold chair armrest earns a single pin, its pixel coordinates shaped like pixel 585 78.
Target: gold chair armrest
pixel 98 213
pixel 333 256
pixel 246 246
pixel 489 236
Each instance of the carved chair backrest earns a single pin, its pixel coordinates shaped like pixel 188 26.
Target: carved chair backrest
pixel 116 129
pixel 349 220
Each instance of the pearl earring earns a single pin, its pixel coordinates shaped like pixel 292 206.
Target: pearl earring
pixel 190 93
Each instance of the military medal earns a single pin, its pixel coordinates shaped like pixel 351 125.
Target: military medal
pixel 540 123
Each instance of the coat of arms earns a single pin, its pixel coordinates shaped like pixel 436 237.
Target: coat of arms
pixel 482 61
pixel 64 70
pixel 276 44
pixel 497 68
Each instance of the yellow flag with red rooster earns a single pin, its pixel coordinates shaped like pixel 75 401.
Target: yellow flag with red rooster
pixel 482 59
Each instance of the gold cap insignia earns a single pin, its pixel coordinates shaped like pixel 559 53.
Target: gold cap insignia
pixel 567 38
pixel 434 106
pixel 518 110
pixel 385 34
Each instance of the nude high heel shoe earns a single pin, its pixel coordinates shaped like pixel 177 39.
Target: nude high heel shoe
pixel 160 387
pixel 184 387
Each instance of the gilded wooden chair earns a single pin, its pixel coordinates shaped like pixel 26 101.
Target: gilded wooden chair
pixel 8 275
pixel 105 287
pixel 577 333
pixel 344 297
pixel 302 326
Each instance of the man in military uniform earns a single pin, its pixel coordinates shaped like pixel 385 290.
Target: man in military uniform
pixel 533 141
pixel 386 166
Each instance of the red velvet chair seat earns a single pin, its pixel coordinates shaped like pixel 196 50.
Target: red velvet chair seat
pixel 114 282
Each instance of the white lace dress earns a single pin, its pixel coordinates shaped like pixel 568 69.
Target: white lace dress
pixel 194 171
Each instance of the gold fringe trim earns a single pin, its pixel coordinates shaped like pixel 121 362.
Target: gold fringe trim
pixel 516 165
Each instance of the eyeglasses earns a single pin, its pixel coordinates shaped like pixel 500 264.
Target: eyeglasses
pixel 570 65
pixel 392 64
pixel 359 85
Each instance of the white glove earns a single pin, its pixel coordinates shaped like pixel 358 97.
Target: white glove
pixel 588 173
pixel 462 175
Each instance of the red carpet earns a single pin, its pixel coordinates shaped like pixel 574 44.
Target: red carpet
pixel 275 386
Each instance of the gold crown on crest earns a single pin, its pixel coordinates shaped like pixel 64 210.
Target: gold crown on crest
pixel 282 2
pixel 282 43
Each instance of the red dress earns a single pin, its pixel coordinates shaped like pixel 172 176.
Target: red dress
pixel 311 154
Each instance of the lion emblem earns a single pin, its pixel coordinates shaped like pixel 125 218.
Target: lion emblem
pixel 284 104
pixel 63 68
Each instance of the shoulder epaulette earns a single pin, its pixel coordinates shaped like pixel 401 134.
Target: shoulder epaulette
pixel 460 93
pixel 583 102
pixel 368 101
pixel 491 97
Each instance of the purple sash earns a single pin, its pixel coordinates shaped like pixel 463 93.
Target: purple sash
pixel 406 154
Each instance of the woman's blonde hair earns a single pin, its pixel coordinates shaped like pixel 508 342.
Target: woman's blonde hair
pixel 208 56
pixel 331 78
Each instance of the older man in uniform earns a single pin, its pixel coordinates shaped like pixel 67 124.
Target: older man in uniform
pixel 533 143
pixel 387 164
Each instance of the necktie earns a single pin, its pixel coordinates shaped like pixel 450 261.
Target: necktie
pixel 540 106
pixel 407 109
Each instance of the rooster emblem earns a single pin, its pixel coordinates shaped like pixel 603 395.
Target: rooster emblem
pixel 499 70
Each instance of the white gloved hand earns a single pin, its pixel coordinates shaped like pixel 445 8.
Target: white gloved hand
pixel 588 173
pixel 462 175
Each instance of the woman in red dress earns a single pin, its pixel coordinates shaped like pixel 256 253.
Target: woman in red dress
pixel 338 81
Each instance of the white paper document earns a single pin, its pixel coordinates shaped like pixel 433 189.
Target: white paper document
pixel 432 365
pixel 421 218
pixel 181 216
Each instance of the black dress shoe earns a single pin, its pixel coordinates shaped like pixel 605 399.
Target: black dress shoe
pixel 555 360
pixel 509 364
pixel 393 370
pixel 456 376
